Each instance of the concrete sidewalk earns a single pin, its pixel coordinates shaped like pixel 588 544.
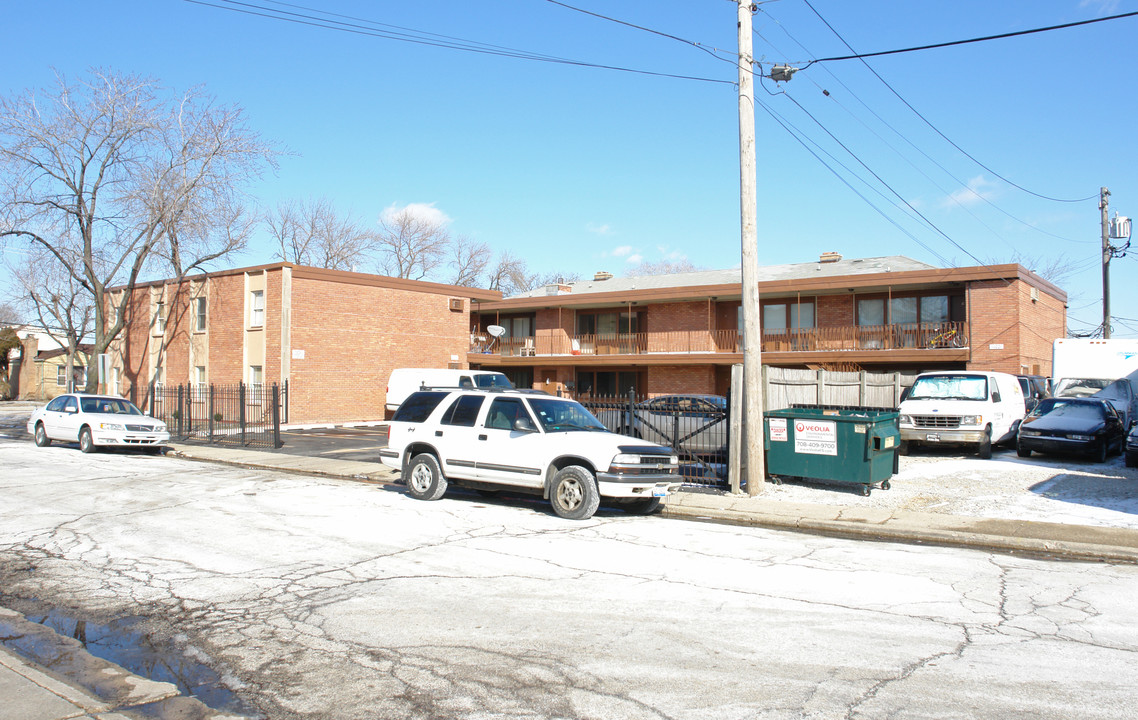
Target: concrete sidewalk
pixel 1073 542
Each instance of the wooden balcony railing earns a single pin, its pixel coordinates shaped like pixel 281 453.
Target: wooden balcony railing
pixel 862 337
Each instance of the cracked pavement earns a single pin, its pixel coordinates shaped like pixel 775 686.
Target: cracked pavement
pixel 323 598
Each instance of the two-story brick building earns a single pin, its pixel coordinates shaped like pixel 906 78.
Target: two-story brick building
pixel 681 333
pixel 334 336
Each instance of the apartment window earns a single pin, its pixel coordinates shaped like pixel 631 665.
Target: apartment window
pixel 199 314
pixel 609 323
pixel 158 376
pixel 257 308
pixel 61 375
pixel 909 309
pixel 256 378
pixel 199 380
pixel 778 317
pixel 160 317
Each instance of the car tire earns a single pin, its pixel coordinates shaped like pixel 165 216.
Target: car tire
pixel 985 450
pixel 904 448
pixel 646 506
pixel 574 494
pixel 1098 455
pixel 86 442
pixel 42 440
pixel 1022 451
pixel 1131 460
pixel 424 478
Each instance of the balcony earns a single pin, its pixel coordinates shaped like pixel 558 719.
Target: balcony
pixel 861 338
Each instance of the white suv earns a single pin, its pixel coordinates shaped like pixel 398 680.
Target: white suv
pixel 528 441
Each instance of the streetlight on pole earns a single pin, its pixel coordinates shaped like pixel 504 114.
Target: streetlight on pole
pixel 1117 228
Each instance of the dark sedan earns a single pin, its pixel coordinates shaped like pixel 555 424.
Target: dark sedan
pixel 1072 426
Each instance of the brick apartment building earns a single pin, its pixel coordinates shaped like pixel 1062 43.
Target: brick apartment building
pixel 334 336
pixel 681 333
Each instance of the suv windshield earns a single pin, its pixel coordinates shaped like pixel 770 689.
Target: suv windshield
pixel 949 387
pixel 564 416
pixel 492 380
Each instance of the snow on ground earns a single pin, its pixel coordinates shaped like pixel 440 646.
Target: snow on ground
pixel 1043 488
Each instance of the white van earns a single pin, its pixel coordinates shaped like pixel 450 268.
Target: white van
pixel 961 407
pixel 404 381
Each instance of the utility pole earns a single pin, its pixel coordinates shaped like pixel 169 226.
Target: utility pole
pixel 1103 204
pixel 752 436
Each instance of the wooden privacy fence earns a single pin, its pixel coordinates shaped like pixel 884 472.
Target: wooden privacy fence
pixel 786 387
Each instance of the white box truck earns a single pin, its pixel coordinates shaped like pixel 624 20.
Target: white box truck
pixel 404 381
pixel 1108 369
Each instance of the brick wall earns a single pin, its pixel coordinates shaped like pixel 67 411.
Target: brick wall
pixel 353 336
pixel 1003 314
pixel 834 311
pixel 681 379
pixel 667 317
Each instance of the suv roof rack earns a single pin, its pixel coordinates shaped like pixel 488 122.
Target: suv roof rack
pixel 520 391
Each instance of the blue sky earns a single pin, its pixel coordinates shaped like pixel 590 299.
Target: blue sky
pixel 579 169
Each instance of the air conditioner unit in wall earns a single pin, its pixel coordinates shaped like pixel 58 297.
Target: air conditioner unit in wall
pixel 456 304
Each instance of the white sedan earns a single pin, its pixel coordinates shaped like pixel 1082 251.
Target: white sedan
pixel 96 421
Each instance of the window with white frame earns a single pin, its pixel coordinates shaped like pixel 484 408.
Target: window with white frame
pixel 159 317
pixel 257 308
pixel 199 381
pixel 61 375
pixel 158 376
pixel 199 314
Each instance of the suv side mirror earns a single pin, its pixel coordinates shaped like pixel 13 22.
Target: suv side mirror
pixel 524 424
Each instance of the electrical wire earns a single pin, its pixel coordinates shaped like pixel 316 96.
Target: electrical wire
pixel 428 39
pixel 1001 36
pixel 935 128
pixel 911 144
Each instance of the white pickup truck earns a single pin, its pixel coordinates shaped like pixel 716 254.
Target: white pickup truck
pixel 527 441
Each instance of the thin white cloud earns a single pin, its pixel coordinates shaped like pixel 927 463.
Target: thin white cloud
pixel 622 251
pixel 634 259
pixel 1105 7
pixel 423 211
pixel 601 229
pixel 978 190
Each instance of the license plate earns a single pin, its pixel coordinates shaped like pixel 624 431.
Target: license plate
pixel 659 492
pixel 932 437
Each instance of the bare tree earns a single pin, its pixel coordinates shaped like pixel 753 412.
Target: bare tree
pixel 511 275
pixel 98 173
pixel 412 244
pixel 312 233
pixel 60 305
pixel 1052 269
pixel 468 262
pixel 9 315
pixel 661 267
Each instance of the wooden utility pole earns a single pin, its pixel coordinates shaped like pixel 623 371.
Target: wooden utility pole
pixel 1103 205
pixel 752 436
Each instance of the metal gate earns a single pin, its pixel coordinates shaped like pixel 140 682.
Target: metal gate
pixel 695 426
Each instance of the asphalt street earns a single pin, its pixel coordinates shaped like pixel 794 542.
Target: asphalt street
pixel 319 597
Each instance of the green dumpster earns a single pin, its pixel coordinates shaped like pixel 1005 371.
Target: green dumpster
pixel 857 446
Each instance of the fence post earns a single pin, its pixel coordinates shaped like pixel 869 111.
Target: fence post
pixel 896 390
pixel 181 411
pixel 285 403
pixel 241 409
pixel 276 417
pixel 211 412
pixel 150 406
pixel 631 423
pixel 735 432
pixel 863 390
pixel 821 387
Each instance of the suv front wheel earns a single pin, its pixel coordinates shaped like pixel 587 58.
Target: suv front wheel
pixel 424 478
pixel 574 494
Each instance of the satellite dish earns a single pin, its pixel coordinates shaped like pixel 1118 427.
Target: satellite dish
pixel 496 330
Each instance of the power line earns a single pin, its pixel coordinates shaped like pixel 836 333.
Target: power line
pixel 935 128
pixel 911 144
pixel 1001 36
pixel 419 37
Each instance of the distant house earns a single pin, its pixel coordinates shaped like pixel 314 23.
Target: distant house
pixel 40 367
pixel 333 336
pixel 681 333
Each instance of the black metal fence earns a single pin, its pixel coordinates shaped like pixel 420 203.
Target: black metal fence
pixel 695 426
pixel 241 414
